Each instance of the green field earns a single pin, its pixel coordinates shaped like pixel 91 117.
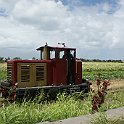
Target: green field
pixel 2 71
pixel 104 70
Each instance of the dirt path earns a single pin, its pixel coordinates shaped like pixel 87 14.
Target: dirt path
pixel 114 84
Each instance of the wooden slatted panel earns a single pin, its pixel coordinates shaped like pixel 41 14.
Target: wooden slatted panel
pixel 40 73
pixel 25 73
pixel 31 74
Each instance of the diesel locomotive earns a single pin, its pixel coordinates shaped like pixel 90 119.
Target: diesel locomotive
pixel 57 70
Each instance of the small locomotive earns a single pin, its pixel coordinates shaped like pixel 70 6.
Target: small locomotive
pixel 57 70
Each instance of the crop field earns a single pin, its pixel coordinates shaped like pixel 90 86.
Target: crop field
pixel 103 70
pixel 2 71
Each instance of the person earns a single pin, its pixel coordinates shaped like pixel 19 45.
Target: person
pixel 69 58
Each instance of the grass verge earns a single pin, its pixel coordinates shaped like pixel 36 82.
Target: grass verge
pixel 114 99
pixel 32 112
pixel 101 118
pixel 65 106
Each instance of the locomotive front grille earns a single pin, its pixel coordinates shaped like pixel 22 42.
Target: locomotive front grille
pixel 9 72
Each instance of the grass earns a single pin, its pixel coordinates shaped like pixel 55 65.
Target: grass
pixel 65 106
pixel 31 112
pixel 101 118
pixel 106 70
pixel 2 71
pixel 113 100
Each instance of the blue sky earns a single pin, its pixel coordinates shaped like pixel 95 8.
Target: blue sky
pixel 94 27
pixel 89 3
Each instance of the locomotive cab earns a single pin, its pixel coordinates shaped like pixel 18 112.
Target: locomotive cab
pixel 64 59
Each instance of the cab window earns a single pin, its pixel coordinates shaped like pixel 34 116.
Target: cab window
pixel 72 52
pixel 61 54
pixel 52 54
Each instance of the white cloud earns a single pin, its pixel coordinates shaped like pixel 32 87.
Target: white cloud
pixel 31 23
pixel 44 14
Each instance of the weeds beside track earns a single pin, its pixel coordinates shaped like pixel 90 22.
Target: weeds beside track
pixel 65 106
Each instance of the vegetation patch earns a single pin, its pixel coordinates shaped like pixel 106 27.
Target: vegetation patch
pixel 3 71
pixel 106 70
pixel 65 106
pixel 101 118
pixel 31 112
pixel 113 100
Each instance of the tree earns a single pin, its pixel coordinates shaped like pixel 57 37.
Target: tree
pixel 6 59
pixel 1 59
pixel 17 58
pixel 33 58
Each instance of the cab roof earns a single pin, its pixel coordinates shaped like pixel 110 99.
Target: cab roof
pixel 56 48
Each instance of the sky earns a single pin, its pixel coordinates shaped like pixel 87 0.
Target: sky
pixel 94 27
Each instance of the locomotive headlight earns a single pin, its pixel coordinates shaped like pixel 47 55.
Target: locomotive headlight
pixel 16 84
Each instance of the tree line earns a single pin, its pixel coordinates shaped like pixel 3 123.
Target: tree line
pixel 3 59
pixel 99 60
